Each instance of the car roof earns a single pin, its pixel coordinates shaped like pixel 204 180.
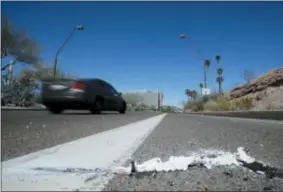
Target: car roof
pixel 93 79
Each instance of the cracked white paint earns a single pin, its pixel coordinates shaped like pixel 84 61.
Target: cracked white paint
pixel 208 158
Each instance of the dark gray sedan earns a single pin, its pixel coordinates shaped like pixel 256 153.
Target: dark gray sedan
pixel 92 94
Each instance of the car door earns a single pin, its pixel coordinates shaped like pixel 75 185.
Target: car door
pixel 110 96
pixel 116 97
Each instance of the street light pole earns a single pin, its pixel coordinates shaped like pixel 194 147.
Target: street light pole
pixel 184 36
pixel 79 28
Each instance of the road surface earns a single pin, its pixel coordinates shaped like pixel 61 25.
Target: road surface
pixel 180 134
pixel 28 131
pixel 217 139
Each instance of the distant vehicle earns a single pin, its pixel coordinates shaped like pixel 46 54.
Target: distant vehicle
pixel 91 94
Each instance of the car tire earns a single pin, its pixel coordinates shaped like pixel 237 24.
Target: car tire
pixel 124 108
pixel 95 108
pixel 55 110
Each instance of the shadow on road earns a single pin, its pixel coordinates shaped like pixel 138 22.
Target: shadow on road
pixel 88 113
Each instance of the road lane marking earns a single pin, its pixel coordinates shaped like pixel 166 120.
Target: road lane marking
pixel 68 166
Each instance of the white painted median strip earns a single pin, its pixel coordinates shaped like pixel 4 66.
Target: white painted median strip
pixel 69 166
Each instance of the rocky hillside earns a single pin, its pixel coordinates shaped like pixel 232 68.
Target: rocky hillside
pixel 265 90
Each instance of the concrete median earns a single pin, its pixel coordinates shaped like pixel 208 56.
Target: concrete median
pixel 8 108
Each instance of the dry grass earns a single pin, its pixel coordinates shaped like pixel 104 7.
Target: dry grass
pixel 216 102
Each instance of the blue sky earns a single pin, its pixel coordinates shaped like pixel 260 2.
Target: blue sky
pixel 136 45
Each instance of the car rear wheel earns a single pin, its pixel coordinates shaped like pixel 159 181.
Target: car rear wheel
pixel 95 108
pixel 55 110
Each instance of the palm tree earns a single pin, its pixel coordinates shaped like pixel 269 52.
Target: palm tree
pixel 188 92
pixel 206 66
pixel 219 71
pixel 194 95
pixel 220 80
pixel 201 87
pixel 217 58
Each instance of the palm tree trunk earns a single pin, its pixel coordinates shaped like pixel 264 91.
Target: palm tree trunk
pixel 204 76
pixel 220 87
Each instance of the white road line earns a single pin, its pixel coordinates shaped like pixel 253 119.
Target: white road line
pixel 43 170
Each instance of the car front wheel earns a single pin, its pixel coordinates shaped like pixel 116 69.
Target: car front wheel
pixel 123 109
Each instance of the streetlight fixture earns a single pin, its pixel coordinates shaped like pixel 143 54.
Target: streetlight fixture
pixel 183 36
pixel 80 27
pixel 77 28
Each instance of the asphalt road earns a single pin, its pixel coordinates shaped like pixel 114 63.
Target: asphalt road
pixel 176 135
pixel 28 131
pixel 180 134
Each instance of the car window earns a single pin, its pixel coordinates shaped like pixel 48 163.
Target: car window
pixel 112 89
pixel 108 88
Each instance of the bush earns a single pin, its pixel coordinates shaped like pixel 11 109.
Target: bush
pixel 167 109
pixel 19 91
pixel 195 105
pixel 213 97
pixel 244 104
pixel 218 102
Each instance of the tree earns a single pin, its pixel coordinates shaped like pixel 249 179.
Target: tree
pixel 188 92
pixel 206 66
pixel 219 80
pixel 219 71
pixel 18 45
pixel 201 87
pixel 217 58
pixel 248 75
pixel 42 71
pixel 194 94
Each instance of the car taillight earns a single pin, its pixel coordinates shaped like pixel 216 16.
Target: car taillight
pixel 78 85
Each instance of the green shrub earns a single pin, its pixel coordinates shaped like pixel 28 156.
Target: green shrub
pixel 167 109
pixel 195 105
pixel 19 91
pixel 218 102
pixel 244 104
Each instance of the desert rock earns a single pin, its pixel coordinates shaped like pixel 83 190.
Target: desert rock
pixel 265 90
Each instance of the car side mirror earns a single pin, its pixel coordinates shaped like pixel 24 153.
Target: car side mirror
pixel 119 93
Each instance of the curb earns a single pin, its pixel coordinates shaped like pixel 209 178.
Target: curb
pixel 268 115
pixel 21 109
